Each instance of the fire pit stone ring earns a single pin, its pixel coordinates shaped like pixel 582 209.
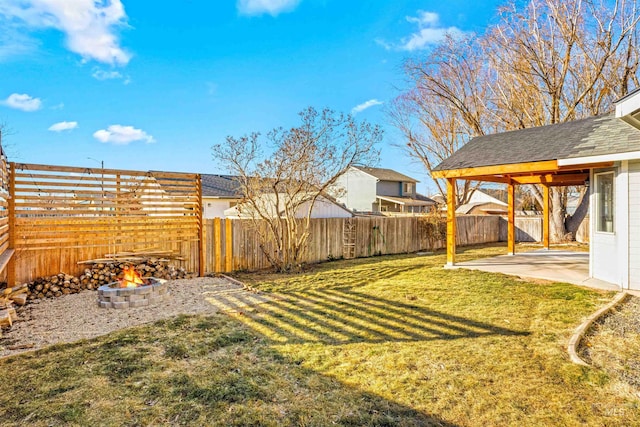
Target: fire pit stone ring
pixel 114 296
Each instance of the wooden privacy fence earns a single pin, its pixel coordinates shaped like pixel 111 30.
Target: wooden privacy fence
pixel 233 245
pixel 62 215
pixel 529 229
pixel 6 245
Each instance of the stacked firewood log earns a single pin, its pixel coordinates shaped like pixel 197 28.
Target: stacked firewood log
pixel 8 298
pixel 101 273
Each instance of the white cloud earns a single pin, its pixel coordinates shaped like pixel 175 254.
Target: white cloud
pixel 100 74
pixel 429 33
pixel 14 43
pixel 89 25
pixel 61 126
pixel 22 101
pixel 368 104
pixel 260 7
pixel 424 19
pixel 122 135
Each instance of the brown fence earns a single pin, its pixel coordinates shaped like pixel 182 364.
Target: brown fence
pixel 6 251
pixel 234 244
pixel 63 215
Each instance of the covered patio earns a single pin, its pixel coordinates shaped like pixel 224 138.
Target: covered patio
pixel 567 154
pixel 554 265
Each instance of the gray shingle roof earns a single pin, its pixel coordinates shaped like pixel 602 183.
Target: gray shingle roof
pixel 220 186
pixel 593 136
pixel 386 174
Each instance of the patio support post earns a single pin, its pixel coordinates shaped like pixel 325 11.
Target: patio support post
pixel 545 216
pixel 511 229
pixel 451 221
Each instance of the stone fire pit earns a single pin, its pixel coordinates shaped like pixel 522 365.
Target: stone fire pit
pixel 115 296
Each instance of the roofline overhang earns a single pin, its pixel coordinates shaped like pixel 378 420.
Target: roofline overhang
pixel 387 180
pixel 628 109
pixel 498 171
pixel 616 157
pixel 550 173
pixel 414 202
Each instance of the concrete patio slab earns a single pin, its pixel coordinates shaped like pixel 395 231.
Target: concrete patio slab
pixel 557 266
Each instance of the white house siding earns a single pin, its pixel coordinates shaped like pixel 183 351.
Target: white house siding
pixel 634 225
pixel 324 209
pixel 361 190
pixel 604 247
pixel 215 207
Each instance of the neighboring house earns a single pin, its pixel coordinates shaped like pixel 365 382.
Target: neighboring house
pixel 602 152
pixel 219 193
pixel 222 198
pixel 482 208
pixel 324 207
pixel 480 203
pixel 368 189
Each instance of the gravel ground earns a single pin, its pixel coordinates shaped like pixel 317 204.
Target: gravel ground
pixel 74 317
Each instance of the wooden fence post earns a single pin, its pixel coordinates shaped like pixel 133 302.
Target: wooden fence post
pixel 228 245
pixel 200 214
pixel 11 266
pixel 217 244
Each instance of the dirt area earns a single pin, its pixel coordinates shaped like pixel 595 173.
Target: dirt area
pixel 74 317
pixel 614 345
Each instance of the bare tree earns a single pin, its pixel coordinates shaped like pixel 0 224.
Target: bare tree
pixel 444 107
pixel 544 62
pixel 284 179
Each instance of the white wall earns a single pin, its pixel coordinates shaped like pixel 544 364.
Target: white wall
pixel 323 208
pixel 360 190
pixel 215 207
pixel 480 196
pixel 634 225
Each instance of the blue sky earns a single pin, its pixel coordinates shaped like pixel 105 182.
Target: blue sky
pixel 153 85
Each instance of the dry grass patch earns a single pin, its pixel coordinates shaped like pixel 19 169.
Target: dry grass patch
pixel 392 340
pixel 190 370
pixel 473 348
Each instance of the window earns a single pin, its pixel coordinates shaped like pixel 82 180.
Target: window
pixel 408 187
pixel 604 202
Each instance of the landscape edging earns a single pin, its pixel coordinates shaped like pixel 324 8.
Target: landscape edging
pixel 581 330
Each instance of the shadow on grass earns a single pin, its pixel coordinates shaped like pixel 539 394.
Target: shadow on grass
pixel 191 370
pixel 338 316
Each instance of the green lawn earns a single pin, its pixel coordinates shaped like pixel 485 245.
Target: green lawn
pixel 380 341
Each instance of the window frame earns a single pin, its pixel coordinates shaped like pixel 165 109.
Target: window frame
pixel 598 227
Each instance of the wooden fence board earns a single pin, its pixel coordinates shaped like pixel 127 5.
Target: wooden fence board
pixel 374 236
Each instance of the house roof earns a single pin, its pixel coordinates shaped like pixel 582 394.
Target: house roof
pixel 489 207
pixel 220 186
pixel 408 201
pixel 593 136
pixel 386 174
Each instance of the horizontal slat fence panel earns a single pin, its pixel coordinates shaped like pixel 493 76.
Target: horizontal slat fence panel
pixel 64 215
